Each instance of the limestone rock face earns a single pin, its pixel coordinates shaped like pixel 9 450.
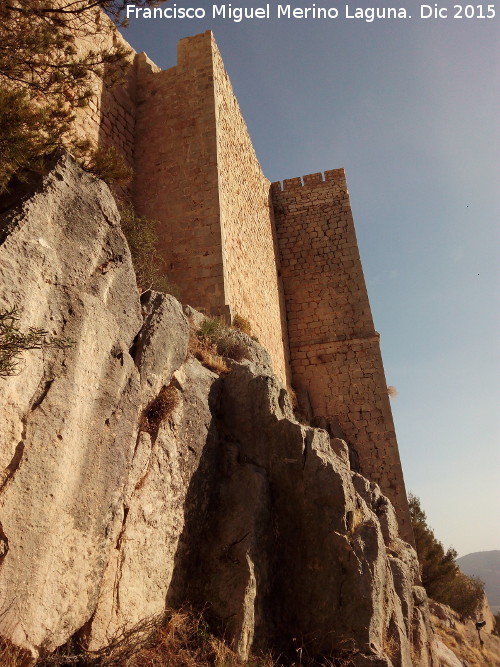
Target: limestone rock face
pixel 69 419
pixel 134 478
pixel 296 545
pixel 446 656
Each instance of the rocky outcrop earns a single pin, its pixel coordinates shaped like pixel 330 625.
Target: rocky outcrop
pixel 69 419
pixel 460 642
pixel 135 478
pixel 446 656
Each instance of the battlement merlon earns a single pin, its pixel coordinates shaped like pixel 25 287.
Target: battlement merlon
pixel 332 176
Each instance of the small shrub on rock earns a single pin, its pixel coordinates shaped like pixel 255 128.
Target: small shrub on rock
pixel 211 328
pixel 206 352
pixel 142 240
pixel 226 341
pixel 109 165
pixel 232 348
pixel 13 341
pixel 159 409
pixel 242 324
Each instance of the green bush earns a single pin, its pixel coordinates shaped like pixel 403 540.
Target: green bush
pixel 441 576
pixel 44 78
pixel 465 595
pixel 212 328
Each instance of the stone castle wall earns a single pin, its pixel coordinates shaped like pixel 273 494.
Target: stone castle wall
pixel 109 118
pixel 283 256
pixel 197 174
pixel 334 348
pixel 176 175
pixel 251 264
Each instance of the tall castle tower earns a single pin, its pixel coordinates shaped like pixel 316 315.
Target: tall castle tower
pixel 335 354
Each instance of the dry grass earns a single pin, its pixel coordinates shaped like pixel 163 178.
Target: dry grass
pixel 354 519
pixel 392 391
pixel 222 340
pixel 186 641
pixel 13 656
pixel 205 351
pixel 159 409
pixel 232 348
pixel 464 642
pixel 175 639
pixel 390 647
pixel 242 324
pixel 120 652
pixel 109 165
pixel 178 638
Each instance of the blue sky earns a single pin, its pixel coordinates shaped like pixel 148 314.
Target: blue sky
pixel 410 109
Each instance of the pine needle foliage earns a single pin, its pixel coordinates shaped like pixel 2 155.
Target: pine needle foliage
pixel 45 77
pixel 441 576
pixel 27 133
pixel 38 47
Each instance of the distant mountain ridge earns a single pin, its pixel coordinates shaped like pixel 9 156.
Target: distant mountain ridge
pixel 486 566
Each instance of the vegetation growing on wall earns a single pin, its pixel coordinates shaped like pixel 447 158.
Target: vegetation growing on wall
pixel 142 240
pixel 441 576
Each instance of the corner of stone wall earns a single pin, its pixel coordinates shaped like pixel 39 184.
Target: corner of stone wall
pixel 252 284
